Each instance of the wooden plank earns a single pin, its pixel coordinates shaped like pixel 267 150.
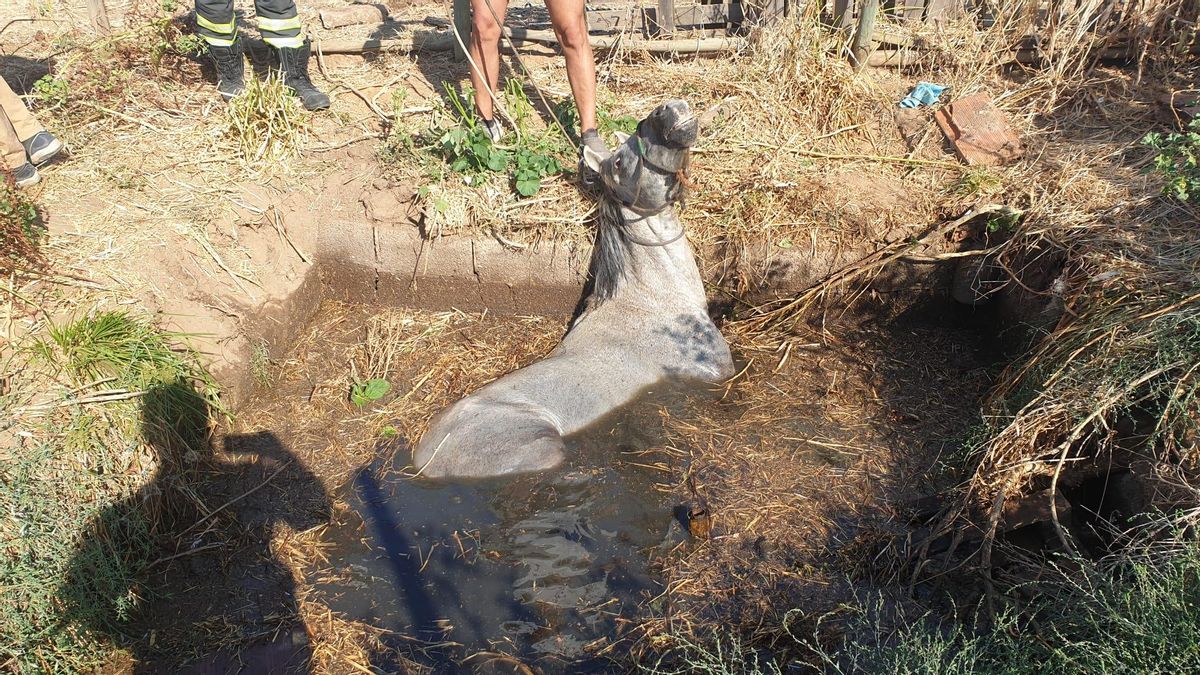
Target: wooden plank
pixel 619 20
pixel 666 17
pixel 937 10
pixel 689 17
pixel 842 14
pixel 98 17
pixel 978 131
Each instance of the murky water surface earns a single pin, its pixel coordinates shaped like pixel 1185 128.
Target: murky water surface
pixel 542 566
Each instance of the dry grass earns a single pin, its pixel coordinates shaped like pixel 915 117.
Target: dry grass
pixel 266 124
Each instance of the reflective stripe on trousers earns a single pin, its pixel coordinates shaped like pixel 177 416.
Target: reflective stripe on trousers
pixel 277 21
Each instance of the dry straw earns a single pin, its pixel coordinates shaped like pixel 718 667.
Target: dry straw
pixel 266 123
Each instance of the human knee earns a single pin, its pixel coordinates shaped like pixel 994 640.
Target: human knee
pixel 572 34
pixel 484 27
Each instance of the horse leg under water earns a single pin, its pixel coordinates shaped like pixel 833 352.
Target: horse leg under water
pixel 477 437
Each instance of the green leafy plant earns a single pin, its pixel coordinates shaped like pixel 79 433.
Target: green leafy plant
pixel 363 392
pixel 532 167
pixel 51 91
pixel 606 122
pixel 469 150
pixel 1005 222
pixel 1178 160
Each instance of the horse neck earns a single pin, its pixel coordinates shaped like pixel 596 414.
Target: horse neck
pixel 658 271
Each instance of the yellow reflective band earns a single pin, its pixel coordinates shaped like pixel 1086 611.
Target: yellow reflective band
pixel 278 24
pixel 223 28
pixel 282 42
pixel 217 42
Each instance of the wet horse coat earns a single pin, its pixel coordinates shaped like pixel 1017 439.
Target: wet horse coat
pixel 646 322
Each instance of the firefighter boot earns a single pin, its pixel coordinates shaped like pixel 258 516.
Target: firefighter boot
pixel 231 68
pixel 294 63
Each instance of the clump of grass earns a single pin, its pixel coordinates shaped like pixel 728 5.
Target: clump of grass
pixel 717 656
pixel 266 123
pixel 21 228
pixel 115 346
pixel 1127 616
pixel 73 564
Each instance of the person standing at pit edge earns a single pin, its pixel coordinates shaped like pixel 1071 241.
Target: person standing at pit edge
pixel 24 142
pixel 279 24
pixel 570 26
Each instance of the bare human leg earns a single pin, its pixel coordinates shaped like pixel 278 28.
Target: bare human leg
pixel 570 25
pixel 485 51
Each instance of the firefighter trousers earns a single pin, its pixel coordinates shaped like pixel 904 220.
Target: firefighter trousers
pixel 277 21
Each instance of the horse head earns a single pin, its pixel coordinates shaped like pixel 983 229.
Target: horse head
pixel 645 173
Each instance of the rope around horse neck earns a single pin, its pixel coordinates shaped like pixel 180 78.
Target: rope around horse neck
pixel 650 244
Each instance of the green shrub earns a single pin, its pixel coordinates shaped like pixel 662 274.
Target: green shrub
pixel 1178 160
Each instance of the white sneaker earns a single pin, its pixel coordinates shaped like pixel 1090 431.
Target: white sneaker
pixel 493 129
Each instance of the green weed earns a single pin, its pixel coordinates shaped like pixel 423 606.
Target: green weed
pixel 606 122
pixel 721 656
pixel 978 182
pixel 51 91
pixel 363 392
pixel 1178 160
pixel 469 150
pixel 1133 616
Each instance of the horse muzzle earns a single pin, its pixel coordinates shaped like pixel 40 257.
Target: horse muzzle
pixel 677 127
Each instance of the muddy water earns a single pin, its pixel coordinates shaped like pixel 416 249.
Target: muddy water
pixel 542 566
pixel 555 567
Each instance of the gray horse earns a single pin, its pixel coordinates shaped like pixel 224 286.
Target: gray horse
pixel 645 323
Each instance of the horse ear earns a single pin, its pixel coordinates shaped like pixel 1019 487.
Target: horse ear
pixel 592 158
pixel 621 137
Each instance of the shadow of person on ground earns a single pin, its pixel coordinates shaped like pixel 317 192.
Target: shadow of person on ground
pixel 182 574
pixel 22 73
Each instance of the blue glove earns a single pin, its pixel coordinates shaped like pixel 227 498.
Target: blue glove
pixel 924 93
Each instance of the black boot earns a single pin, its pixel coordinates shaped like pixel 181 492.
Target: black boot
pixel 293 61
pixel 231 68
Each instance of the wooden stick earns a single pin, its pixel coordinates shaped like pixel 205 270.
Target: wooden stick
pixel 446 42
pixel 98 17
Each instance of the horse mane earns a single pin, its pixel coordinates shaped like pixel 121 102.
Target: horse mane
pixel 610 255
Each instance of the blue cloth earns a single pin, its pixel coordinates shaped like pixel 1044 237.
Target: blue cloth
pixel 924 93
